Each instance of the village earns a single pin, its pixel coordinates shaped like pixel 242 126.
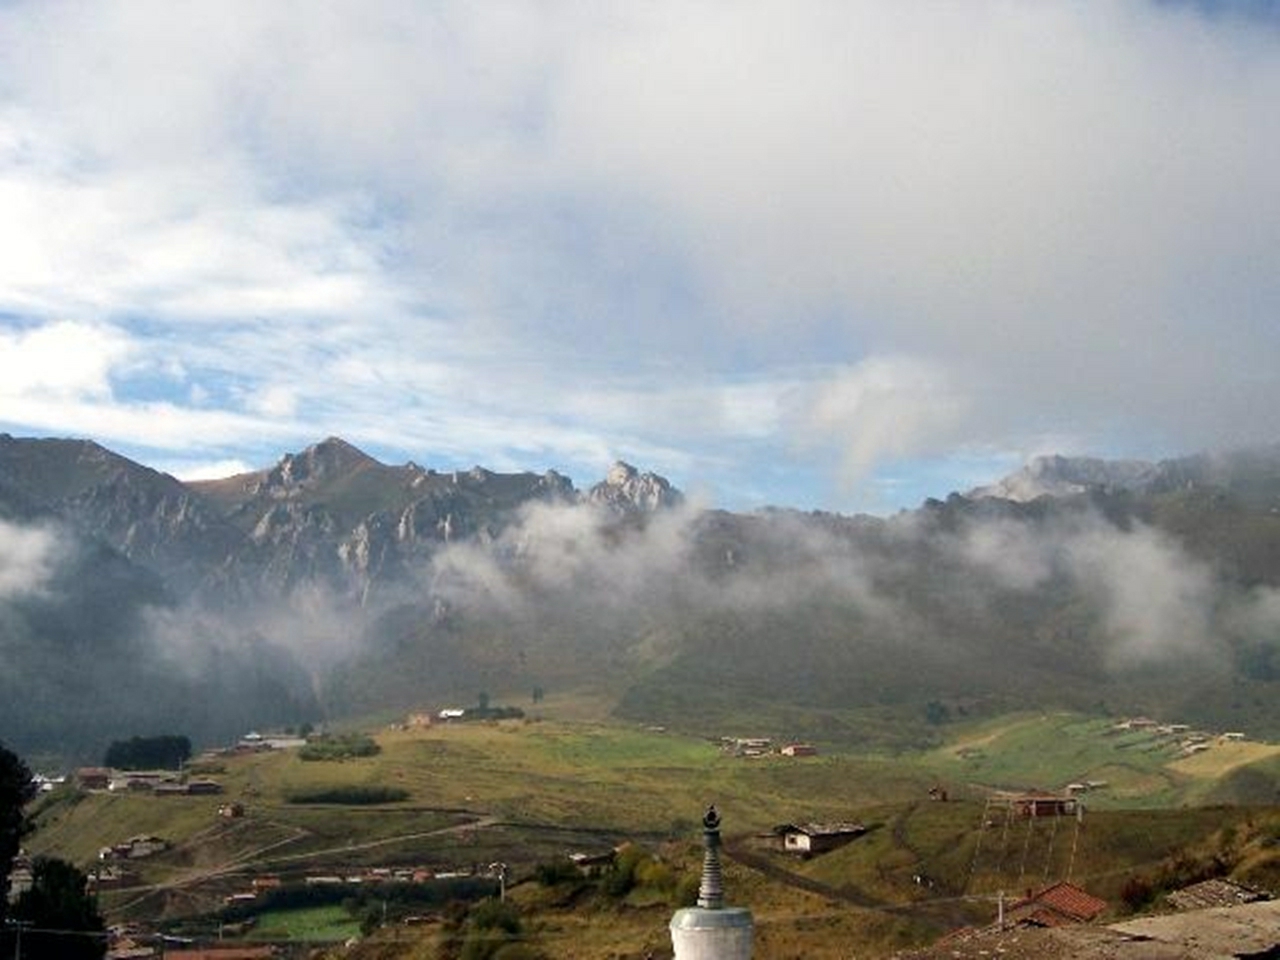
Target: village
pixel 1057 901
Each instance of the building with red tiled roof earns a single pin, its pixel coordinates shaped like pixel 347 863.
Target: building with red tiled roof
pixel 1057 905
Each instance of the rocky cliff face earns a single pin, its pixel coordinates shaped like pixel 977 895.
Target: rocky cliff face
pixel 628 492
pixel 1058 476
pixel 329 515
pixel 1252 475
pixel 253 586
pixel 148 516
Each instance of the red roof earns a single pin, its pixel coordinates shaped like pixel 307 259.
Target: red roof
pixel 1065 899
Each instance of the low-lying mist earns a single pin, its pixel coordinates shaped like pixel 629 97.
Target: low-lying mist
pixel 962 600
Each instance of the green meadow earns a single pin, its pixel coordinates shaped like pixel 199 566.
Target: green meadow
pixel 527 792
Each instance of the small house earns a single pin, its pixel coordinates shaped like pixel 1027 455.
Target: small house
pixel 134 848
pixel 810 839
pixel 593 864
pixel 1038 803
pixel 1055 906
pixel 93 778
pixel 799 750
pixel 20 877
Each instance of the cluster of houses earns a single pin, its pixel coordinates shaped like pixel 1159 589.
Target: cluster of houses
pixel 158 782
pixel 366 876
pixel 1189 741
pixel 129 942
pixel 254 742
pixel 764 746
pixel 135 848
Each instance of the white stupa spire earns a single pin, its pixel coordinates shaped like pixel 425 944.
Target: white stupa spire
pixel 712 931
pixel 711 890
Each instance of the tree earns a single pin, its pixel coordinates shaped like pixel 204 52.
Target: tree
pixel 16 791
pixel 63 919
pixel 148 753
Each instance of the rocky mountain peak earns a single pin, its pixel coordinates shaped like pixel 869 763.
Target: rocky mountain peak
pixel 625 489
pixel 323 461
pixel 1055 475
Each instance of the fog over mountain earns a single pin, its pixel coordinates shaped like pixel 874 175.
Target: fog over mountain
pixel 332 584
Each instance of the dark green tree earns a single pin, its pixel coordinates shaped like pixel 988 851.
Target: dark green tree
pixel 16 791
pixel 61 920
pixel 148 753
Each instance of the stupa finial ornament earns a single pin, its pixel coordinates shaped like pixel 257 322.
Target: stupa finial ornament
pixel 711 890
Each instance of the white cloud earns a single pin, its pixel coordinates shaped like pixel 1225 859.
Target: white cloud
pixel 879 409
pixel 60 361
pixel 996 222
pixel 28 558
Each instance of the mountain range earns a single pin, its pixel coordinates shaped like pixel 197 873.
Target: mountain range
pixel 333 585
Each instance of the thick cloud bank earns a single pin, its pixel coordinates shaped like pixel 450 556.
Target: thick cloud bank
pixel 760 244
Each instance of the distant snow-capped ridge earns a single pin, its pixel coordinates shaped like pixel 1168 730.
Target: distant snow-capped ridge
pixel 1059 476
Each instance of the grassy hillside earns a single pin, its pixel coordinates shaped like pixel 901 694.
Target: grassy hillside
pixel 528 792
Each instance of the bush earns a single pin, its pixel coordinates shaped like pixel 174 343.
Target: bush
pixel 339 748
pixel 355 796
pixel 493 713
pixel 493 926
pixel 1136 893
pixel 557 872
pixel 686 894
pixel 621 878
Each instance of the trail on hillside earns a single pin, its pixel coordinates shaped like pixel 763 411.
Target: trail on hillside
pixel 252 860
pixel 943 913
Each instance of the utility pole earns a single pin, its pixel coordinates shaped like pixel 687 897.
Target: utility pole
pixel 500 869
pixel 17 940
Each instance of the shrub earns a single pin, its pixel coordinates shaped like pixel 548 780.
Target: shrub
pixel 557 872
pixel 493 927
pixel 686 894
pixel 1137 892
pixel 339 748
pixel 356 796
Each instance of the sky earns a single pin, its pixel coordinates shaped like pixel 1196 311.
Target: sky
pixel 829 255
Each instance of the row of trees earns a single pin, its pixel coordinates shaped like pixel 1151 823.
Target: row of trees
pixel 148 753
pixel 55 919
